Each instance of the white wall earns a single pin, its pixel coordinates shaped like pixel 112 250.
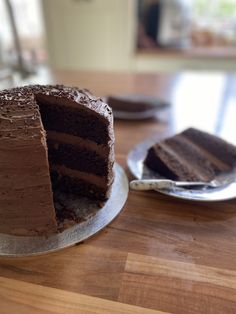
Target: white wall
pixel 92 34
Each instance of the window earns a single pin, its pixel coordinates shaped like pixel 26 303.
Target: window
pixel 214 23
pixel 186 23
pixel 28 20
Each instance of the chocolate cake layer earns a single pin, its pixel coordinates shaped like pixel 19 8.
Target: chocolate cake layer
pixel 218 147
pixel 102 149
pixel 78 186
pixel 158 164
pixel 89 177
pixel 77 165
pixel 189 158
pixel 192 154
pixel 75 157
pixel 76 121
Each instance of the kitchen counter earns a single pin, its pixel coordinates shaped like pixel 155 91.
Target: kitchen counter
pixel 160 254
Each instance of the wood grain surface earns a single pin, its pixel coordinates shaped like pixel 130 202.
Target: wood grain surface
pixel 160 254
pixel 25 297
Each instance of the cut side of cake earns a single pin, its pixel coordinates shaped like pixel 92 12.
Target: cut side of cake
pixel 192 155
pixel 52 138
pixel 80 142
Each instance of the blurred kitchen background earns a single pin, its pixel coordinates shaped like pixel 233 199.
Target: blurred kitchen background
pixel 118 35
pixel 195 40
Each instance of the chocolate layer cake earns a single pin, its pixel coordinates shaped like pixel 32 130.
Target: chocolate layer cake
pixel 51 138
pixel 192 155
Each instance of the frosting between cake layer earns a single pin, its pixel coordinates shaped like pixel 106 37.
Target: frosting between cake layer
pixel 102 150
pixel 185 163
pixel 89 177
pixel 219 164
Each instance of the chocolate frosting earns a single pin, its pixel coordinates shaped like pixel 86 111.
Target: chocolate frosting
pixel 26 202
pixel 24 96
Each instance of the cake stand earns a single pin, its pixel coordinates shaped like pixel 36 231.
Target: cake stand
pixel 93 219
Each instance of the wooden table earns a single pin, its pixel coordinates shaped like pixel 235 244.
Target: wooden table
pixel 160 254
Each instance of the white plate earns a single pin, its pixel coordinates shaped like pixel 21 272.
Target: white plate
pixel 139 170
pixel 94 220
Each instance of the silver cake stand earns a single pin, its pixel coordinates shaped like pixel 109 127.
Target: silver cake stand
pixel 93 219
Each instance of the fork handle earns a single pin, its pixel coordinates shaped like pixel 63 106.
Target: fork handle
pixel 146 185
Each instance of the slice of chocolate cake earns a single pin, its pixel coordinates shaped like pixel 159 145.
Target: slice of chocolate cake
pixel 51 138
pixel 192 155
pixel 135 103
